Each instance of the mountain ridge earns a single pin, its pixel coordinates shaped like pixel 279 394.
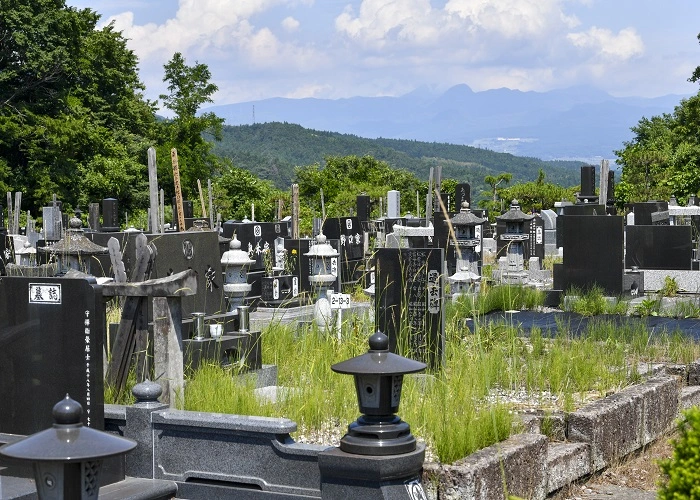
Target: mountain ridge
pixel 536 124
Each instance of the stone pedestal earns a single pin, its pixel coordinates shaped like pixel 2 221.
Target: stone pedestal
pixel 391 477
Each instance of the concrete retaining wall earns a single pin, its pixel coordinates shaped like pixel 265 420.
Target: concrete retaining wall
pixel 597 434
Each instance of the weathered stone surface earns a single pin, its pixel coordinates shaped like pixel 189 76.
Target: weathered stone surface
pixel 694 373
pixel 566 463
pixel 690 396
pixel 518 463
pixel 551 425
pixel 660 396
pixel 625 421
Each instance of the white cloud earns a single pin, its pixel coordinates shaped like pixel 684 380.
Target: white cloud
pixel 605 44
pixel 290 24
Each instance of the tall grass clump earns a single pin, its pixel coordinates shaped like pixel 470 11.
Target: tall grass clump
pixel 499 298
pixel 593 302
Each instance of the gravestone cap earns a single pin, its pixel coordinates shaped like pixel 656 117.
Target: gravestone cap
pixel 147 391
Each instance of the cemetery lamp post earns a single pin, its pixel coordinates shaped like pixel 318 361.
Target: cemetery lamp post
pixel 378 381
pixel 323 260
pixel 67 457
pixel 235 263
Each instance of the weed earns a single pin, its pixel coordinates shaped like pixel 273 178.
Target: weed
pixel 669 288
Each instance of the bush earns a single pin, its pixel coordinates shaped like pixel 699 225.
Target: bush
pixel 682 470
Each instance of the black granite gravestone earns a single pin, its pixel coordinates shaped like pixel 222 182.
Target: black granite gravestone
pixel 408 300
pixel 593 254
pixel 110 215
pixel 256 237
pixel 51 334
pixel 349 232
pixel 364 207
pixel 535 245
pixel 643 211
pixel 176 252
pixel 462 194
pixel 659 247
pixel 578 209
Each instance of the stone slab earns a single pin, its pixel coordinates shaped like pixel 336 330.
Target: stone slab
pixel 624 422
pixel 566 463
pixel 690 396
pixel 519 463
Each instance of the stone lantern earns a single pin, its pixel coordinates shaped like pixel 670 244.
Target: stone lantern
pixel 467 230
pixel 27 254
pixel 74 250
pixel 514 232
pixel 378 381
pixel 67 457
pixel 235 263
pixel 324 267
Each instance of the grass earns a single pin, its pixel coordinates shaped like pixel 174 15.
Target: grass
pixel 593 302
pixel 464 406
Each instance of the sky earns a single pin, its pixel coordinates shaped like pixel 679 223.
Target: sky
pixel 258 49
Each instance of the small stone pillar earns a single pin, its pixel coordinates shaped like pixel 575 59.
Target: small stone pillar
pixel 110 215
pixel 139 463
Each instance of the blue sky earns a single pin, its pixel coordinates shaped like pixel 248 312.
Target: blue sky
pixel 258 49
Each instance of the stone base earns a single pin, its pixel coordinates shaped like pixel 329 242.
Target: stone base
pixel 262 377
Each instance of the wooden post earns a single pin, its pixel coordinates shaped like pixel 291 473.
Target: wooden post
pixel 295 211
pixel 153 190
pixel 178 191
pixel 211 204
pixel 201 198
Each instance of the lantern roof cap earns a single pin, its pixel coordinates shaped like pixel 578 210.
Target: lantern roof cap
pixel 378 360
pixel 68 440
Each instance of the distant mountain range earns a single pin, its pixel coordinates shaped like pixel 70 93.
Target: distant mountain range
pixel 577 123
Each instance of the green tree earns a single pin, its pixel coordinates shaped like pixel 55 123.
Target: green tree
pixel 664 156
pixel 491 198
pixel 189 88
pixel 344 177
pixel 71 107
pixel 538 195
pixel 235 190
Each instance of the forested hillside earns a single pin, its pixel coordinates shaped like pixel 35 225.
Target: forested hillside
pixel 272 150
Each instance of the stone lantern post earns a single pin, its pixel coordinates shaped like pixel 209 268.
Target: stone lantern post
pixel 67 457
pixel 467 229
pixel 324 265
pixel 235 263
pixel 378 458
pixel 512 241
pixel 74 250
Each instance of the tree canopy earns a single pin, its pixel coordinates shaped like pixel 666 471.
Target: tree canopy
pixel 345 177
pixel 73 120
pixel 189 88
pixel 664 156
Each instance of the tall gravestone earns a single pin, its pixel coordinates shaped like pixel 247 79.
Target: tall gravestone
pixel 593 255
pixel 462 194
pixel 409 287
pixel 51 334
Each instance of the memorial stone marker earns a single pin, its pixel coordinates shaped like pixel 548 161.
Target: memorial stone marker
pixel 659 247
pixel 51 334
pixel 409 302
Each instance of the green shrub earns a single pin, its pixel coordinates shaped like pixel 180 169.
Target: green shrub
pixel 670 287
pixel 682 470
